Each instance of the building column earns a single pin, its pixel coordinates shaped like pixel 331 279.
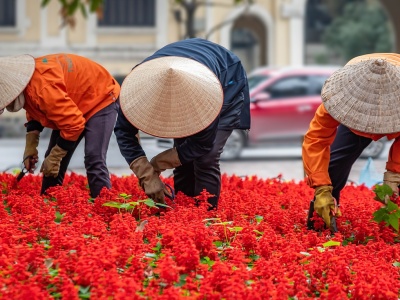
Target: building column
pixel 48 40
pixel 295 12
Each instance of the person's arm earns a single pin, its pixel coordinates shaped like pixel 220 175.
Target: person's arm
pixel 392 175
pixel 316 147
pixel 127 139
pixel 393 163
pixel 132 151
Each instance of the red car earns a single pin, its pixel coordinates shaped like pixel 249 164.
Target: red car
pixel 283 102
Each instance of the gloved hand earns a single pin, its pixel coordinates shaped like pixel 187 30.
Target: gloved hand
pixel 149 179
pixel 167 159
pixel 324 203
pixel 392 179
pixel 31 152
pixel 51 164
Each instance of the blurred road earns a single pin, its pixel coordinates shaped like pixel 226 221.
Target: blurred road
pixel 262 162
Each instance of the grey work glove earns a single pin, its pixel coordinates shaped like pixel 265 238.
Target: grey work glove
pixel 149 179
pixel 167 159
pixel 31 152
pixel 392 179
pixel 51 164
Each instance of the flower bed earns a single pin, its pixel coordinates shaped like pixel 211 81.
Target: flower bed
pixel 255 246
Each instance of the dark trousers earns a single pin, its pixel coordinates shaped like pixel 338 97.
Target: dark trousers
pixel 345 150
pixel 97 133
pixel 203 173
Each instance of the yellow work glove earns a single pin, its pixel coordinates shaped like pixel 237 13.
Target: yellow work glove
pixel 149 179
pixel 324 204
pixel 31 152
pixel 51 164
pixel 392 179
pixel 167 159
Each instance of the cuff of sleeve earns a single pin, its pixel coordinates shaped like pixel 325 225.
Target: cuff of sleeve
pixel 393 167
pixel 33 125
pixel 65 144
pixel 318 179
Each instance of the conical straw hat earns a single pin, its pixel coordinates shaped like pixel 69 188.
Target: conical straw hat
pixel 365 96
pixel 15 74
pixel 171 97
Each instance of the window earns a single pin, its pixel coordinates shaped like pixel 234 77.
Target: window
pixel 256 79
pixel 128 13
pixel 316 83
pixel 289 87
pixel 8 13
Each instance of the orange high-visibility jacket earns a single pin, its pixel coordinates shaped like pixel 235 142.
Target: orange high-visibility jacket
pixel 322 132
pixel 66 90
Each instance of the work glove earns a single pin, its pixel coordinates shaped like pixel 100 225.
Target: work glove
pixel 167 159
pixel 51 164
pixel 325 204
pixel 392 179
pixel 149 179
pixel 31 152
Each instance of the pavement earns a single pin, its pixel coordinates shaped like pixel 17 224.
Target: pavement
pixel 261 162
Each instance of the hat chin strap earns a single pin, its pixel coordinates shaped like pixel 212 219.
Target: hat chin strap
pixel 17 104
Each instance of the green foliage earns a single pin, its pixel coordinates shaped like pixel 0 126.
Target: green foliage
pixel 361 29
pixel 59 217
pixel 69 8
pixel 382 192
pixel 330 244
pixel 390 213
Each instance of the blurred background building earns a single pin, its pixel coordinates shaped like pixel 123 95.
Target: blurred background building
pixel 260 32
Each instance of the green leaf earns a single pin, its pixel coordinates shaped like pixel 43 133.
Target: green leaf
pixel 150 202
pixel 72 7
pixel 223 223
pixel 126 206
pixel 258 232
pixel 391 206
pixel 380 214
pixel 394 222
pixel 218 243
pixel 162 205
pixel 125 196
pixel 84 292
pixel 235 229
pixel 44 3
pixel 331 243
pixel 259 219
pixel 95 4
pixel 112 204
pixel 396 264
pixel 83 10
pixel 59 217
pixel 382 190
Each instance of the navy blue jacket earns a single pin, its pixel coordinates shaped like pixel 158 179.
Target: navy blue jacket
pixel 235 112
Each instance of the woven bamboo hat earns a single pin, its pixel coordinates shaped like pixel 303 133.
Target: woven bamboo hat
pixel 365 96
pixel 171 97
pixel 15 74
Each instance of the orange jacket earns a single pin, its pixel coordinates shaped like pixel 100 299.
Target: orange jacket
pixel 322 132
pixel 66 90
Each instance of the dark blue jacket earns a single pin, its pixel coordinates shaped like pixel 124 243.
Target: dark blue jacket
pixel 235 112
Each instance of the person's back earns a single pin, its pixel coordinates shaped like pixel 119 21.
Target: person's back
pixel 226 66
